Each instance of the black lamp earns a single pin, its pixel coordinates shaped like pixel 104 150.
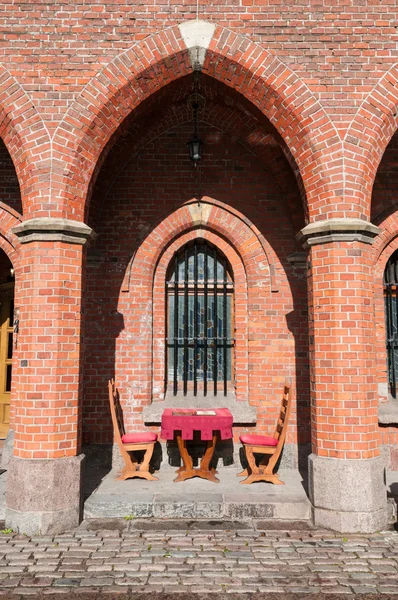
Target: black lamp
pixel 195 145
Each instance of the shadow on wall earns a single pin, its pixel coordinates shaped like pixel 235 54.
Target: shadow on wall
pixel 149 190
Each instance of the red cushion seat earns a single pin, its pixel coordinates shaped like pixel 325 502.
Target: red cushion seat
pixel 143 437
pixel 258 440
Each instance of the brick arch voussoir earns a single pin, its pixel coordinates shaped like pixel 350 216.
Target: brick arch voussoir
pixel 93 119
pixel 209 234
pixel 212 215
pixel 25 137
pixel 385 243
pixel 369 134
pixel 9 242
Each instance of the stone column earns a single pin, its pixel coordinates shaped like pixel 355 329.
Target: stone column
pixel 346 472
pixel 43 485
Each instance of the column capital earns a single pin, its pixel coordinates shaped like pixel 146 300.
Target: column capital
pixel 48 229
pixel 337 230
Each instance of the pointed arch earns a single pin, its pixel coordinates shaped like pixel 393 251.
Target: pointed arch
pixel 228 222
pixel 93 119
pixel 143 288
pixel 9 218
pixel 369 133
pixel 27 140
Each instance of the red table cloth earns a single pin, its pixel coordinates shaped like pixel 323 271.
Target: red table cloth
pixel 187 422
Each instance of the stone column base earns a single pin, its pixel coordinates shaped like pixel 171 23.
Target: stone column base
pixel 348 495
pixel 8 449
pixel 43 496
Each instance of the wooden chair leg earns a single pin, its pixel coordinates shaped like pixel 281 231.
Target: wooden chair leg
pixel 144 466
pixel 268 466
pixel 252 470
pixel 264 472
pixel 243 473
pixel 130 461
pixel 133 468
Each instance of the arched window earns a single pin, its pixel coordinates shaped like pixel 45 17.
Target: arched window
pixel 391 313
pixel 199 312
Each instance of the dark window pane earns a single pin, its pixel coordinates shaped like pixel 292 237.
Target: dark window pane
pixel 8 378
pixel 9 347
pixel 11 314
pixel 200 277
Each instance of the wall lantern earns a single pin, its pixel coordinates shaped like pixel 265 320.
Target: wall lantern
pixel 195 148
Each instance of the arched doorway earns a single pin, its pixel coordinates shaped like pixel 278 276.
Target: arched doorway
pixel 7 325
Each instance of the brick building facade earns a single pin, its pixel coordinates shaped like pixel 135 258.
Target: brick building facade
pixel 298 112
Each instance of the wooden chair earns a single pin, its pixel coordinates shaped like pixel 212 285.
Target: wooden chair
pixel 130 442
pixel 271 447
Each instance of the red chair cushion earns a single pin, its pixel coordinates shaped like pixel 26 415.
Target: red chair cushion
pixel 139 438
pixel 258 440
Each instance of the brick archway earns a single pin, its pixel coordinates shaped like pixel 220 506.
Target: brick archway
pixel 27 140
pixel 82 137
pixel 385 245
pixel 368 135
pixel 165 231
pixel 237 126
pixel 143 292
pixel 9 218
pixel 9 244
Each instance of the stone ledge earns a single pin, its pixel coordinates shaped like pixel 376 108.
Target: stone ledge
pixel 47 229
pixel 388 412
pixel 337 230
pixel 196 499
pixel 241 411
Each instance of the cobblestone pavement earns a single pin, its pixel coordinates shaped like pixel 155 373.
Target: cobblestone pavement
pixel 200 561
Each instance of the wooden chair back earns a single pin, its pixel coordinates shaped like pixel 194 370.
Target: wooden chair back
pixel 132 467
pixel 265 470
pixel 116 412
pixel 284 414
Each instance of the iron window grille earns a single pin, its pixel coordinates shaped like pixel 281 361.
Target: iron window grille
pixel 391 315
pixel 200 320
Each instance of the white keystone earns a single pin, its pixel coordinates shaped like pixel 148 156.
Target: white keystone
pixel 197 36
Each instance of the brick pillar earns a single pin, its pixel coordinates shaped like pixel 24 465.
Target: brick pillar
pixel 43 485
pixel 346 473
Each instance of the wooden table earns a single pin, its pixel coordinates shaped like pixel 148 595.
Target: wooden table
pixel 182 422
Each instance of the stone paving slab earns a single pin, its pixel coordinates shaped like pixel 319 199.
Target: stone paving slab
pixel 200 499
pixel 120 560
pixel 284 502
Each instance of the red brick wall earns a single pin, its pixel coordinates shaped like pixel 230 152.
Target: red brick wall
pixel 344 411
pixel 46 388
pixel 318 86
pixel 334 47
pixel 141 212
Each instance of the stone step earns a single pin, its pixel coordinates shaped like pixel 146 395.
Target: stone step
pixel 200 499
